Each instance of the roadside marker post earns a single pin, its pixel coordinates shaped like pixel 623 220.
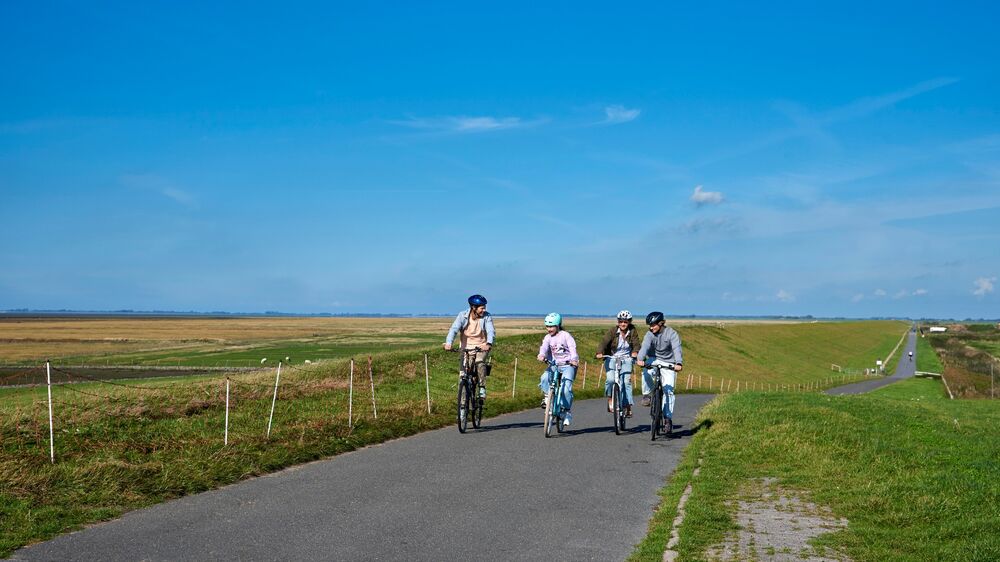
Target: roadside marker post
pixel 52 442
pixel 350 398
pixel 584 375
pixel 273 400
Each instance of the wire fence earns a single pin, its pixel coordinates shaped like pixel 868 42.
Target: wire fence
pixel 273 404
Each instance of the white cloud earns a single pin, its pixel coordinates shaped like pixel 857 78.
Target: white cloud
pixel 984 285
pixel 784 296
pixel 467 124
pixel 919 292
pixel 902 293
pixel 858 297
pixel 880 292
pixel 701 197
pixel 615 114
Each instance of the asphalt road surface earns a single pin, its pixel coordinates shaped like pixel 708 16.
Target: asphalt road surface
pixel 502 492
pixel 905 369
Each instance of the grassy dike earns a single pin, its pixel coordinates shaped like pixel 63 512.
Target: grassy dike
pixel 128 445
pixel 917 475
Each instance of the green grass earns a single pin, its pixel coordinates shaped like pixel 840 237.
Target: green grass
pixel 927 358
pixel 123 447
pixel 916 475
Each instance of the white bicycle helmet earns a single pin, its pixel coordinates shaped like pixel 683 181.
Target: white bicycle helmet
pixel 625 315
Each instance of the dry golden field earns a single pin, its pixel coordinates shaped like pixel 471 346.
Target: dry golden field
pixel 37 339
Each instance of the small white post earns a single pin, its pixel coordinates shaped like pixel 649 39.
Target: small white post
pixel 274 399
pixel 350 398
pixel 584 374
pixel 52 442
pixel 427 378
pixel 225 438
pixel 371 377
pixel 513 387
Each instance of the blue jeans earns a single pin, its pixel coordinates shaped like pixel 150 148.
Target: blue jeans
pixel 668 378
pixel 568 374
pixel 609 368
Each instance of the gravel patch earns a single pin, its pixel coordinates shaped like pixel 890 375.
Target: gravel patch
pixel 777 525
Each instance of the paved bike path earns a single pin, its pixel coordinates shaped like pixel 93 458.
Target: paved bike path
pixel 904 369
pixel 502 492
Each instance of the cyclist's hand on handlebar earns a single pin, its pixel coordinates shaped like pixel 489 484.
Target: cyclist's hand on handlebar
pixel 600 356
pixel 542 358
pixel 447 347
pixel 640 363
pixel 488 347
pixel 574 363
pixel 678 367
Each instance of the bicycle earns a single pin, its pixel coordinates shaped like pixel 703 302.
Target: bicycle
pixel 619 401
pixel 555 407
pixel 658 424
pixel 470 402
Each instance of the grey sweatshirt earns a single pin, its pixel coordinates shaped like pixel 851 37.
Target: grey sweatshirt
pixel 665 346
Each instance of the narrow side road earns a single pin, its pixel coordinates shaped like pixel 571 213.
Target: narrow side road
pixel 904 369
pixel 502 492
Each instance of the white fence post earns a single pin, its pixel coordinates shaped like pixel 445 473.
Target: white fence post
pixel 513 387
pixel 427 378
pixel 52 442
pixel 371 377
pixel 350 398
pixel 225 438
pixel 274 399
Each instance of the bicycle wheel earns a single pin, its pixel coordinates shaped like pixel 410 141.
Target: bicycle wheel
pixel 463 405
pixel 558 409
pixel 616 401
pixel 550 398
pixel 477 410
pixel 656 412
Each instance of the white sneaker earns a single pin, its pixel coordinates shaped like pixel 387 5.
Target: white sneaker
pixel 567 419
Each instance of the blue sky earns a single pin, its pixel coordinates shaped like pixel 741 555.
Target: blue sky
pixel 830 159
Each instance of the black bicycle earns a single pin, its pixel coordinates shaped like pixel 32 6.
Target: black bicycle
pixel 659 425
pixel 471 391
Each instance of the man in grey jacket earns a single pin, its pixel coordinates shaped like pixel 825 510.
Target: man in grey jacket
pixel 660 346
pixel 475 326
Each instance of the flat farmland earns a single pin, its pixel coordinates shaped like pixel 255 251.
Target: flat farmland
pixel 236 342
pixel 217 341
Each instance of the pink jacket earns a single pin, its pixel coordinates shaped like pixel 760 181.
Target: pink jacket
pixel 561 347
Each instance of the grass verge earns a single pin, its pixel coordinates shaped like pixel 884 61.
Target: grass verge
pixel 915 474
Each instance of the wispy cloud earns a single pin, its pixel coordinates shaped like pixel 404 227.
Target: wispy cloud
pixel 784 296
pixel 615 114
pixel 467 124
pixel 160 185
pixel 880 292
pixel 716 225
pixel 813 125
pixel 701 197
pixel 858 297
pixel 984 285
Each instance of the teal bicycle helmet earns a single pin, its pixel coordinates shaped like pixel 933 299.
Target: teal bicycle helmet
pixel 553 319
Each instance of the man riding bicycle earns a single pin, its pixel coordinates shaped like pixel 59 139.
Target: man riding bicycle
pixel 475 328
pixel 621 342
pixel 660 346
